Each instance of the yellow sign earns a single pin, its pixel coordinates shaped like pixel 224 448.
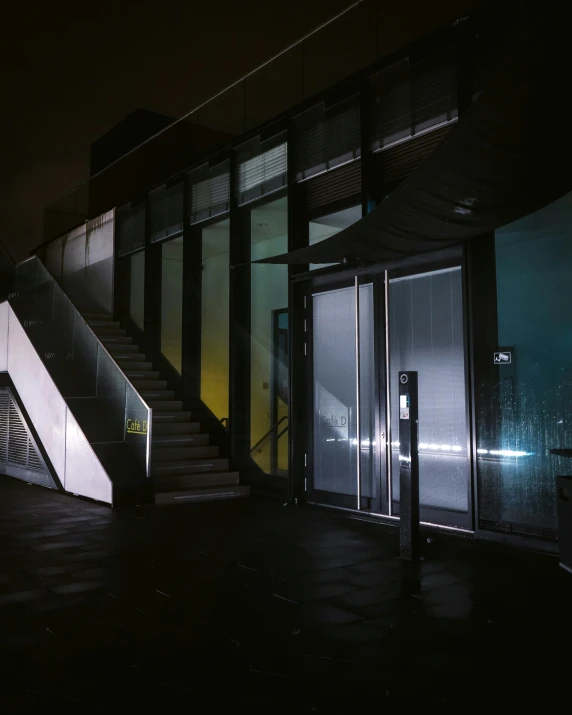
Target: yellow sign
pixel 136 426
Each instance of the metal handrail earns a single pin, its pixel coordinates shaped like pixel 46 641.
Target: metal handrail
pixel 270 432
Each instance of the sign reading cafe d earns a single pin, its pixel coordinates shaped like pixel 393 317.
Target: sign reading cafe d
pixel 136 426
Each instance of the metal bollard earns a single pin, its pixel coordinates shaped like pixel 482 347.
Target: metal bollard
pixel 409 540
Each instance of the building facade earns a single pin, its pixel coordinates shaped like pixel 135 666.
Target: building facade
pixel 293 368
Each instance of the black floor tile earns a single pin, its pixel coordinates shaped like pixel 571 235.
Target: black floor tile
pixel 250 604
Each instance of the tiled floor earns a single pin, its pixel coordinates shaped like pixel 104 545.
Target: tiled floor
pixel 277 609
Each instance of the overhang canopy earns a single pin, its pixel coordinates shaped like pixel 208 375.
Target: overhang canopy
pixel 509 154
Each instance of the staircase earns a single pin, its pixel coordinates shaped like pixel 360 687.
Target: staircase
pixel 184 466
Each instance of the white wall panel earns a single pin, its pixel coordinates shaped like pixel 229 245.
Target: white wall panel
pixel 84 473
pixel 4 309
pixel 70 453
pixel 74 251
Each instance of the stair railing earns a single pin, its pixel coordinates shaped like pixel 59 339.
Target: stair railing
pixel 64 340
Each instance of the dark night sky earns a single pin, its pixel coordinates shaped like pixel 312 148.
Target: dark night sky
pixel 71 70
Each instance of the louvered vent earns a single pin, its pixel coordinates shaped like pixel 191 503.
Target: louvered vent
pixel 17 439
pixel 166 211
pixel 130 228
pixel 333 186
pixel 4 410
pixel 18 452
pixel 209 189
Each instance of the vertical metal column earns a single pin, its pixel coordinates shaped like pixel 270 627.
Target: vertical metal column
pixel 358 381
pixel 409 541
pixel 388 403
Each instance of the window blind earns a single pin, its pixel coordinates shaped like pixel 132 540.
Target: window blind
pixel 209 189
pixel 165 211
pixel 130 228
pixel 412 100
pixel 262 174
pixel 327 138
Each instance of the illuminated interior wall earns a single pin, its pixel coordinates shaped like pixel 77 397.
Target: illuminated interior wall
pixel 534 391
pixel 269 292
pixel 172 301
pixel 214 317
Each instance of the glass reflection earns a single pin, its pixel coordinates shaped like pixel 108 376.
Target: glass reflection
pixel 172 301
pixel 214 317
pixel 269 339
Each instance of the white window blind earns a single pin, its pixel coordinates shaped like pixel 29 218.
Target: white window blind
pixel 262 174
pixel 327 138
pixel 413 100
pixel 210 191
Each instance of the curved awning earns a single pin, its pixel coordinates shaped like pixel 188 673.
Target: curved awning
pixel 509 155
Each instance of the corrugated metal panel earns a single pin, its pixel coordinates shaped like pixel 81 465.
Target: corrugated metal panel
pixel 333 186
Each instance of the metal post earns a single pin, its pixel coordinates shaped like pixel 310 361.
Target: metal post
pixel 358 425
pixel 409 541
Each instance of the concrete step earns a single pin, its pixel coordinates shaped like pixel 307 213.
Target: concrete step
pixel 130 363
pixel 97 316
pixel 134 374
pixel 104 333
pixel 153 385
pixel 104 324
pixel 165 405
pixel 118 340
pixel 161 454
pixel 124 351
pixel 190 481
pixel 160 417
pixel 158 395
pixel 174 430
pixel 190 466
pixel 180 440
pixel 199 494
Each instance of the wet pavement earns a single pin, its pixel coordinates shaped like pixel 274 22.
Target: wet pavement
pixel 251 604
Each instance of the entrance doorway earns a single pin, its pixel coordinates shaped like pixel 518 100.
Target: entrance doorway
pixel 361 335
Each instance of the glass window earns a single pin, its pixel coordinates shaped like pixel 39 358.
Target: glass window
pixel 269 339
pixel 137 289
pixel 172 301
pixel 426 335
pixel 326 226
pixel 214 317
pixel 533 392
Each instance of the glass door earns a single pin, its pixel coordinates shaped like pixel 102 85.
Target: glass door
pixel 360 337
pixel 345 466
pixel 426 335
